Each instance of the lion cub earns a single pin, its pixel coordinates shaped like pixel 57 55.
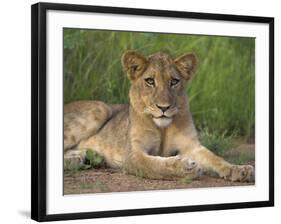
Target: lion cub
pixel 154 136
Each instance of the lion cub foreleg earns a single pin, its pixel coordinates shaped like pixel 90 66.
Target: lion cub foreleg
pixel 139 163
pixel 210 161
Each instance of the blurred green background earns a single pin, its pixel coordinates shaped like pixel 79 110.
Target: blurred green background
pixel 222 93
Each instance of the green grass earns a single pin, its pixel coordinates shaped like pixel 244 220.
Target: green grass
pixel 185 180
pixel 218 142
pixel 222 94
pixel 242 158
pixel 92 160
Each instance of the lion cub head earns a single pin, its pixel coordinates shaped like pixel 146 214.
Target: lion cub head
pixel 158 84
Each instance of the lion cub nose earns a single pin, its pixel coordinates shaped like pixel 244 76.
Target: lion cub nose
pixel 163 107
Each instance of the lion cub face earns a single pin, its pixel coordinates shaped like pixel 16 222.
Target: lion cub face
pixel 158 83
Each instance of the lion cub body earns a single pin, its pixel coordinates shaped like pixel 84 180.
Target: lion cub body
pixel 153 136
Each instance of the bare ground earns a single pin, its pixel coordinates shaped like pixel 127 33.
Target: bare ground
pixel 110 180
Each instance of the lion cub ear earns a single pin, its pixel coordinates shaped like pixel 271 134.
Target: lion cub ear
pixel 133 64
pixel 187 64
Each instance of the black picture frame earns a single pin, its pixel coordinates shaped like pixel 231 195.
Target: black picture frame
pixel 39 122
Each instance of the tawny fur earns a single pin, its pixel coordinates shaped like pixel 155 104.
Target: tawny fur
pixel 154 136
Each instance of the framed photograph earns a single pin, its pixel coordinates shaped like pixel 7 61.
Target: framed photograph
pixel 140 111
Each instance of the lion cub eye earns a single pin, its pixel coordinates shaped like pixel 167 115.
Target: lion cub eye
pixel 150 81
pixel 174 82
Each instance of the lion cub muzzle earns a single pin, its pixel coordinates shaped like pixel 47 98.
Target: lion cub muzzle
pixel 162 122
pixel 164 116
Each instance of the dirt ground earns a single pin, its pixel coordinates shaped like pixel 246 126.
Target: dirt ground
pixel 109 180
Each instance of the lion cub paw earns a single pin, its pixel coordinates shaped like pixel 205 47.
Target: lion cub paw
pixel 241 173
pixel 73 160
pixel 190 168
